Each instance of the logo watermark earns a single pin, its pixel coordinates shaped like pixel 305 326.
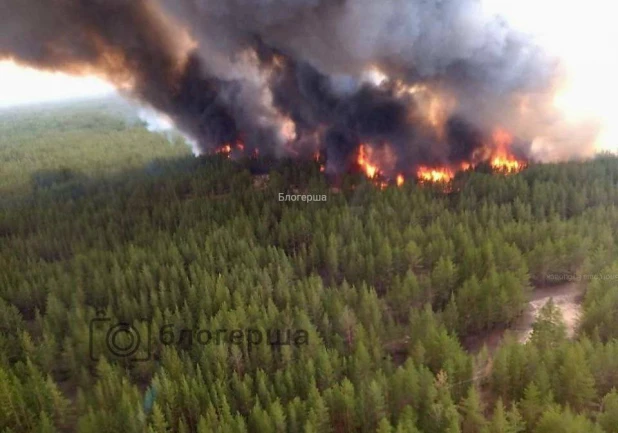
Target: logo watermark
pixel 580 277
pixel 308 198
pixel 136 341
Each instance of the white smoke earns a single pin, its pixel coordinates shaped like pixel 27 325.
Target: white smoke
pixel 161 123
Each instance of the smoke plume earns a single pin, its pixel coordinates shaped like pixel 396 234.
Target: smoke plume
pixel 421 82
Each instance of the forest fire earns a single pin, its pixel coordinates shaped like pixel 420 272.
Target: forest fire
pixel 317 157
pixel 497 153
pixel 502 163
pixel 426 174
pixel 413 108
pixel 227 149
pixel 406 292
pixel 365 163
pixel 380 163
pixel 501 159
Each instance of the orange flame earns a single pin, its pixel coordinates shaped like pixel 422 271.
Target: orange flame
pixel 501 158
pixel 317 157
pixel 226 149
pixel 497 154
pixel 505 164
pixel 364 161
pixel 437 174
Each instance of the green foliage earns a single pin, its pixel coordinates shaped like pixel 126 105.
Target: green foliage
pixel 390 285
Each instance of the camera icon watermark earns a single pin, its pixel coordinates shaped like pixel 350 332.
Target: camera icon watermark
pixel 120 340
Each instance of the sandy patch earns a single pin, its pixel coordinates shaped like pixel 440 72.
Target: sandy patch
pixel 567 298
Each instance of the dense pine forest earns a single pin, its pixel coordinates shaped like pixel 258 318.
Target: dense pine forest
pixel 403 302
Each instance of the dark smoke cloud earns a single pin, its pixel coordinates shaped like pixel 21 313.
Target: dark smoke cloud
pixel 128 42
pixel 290 76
